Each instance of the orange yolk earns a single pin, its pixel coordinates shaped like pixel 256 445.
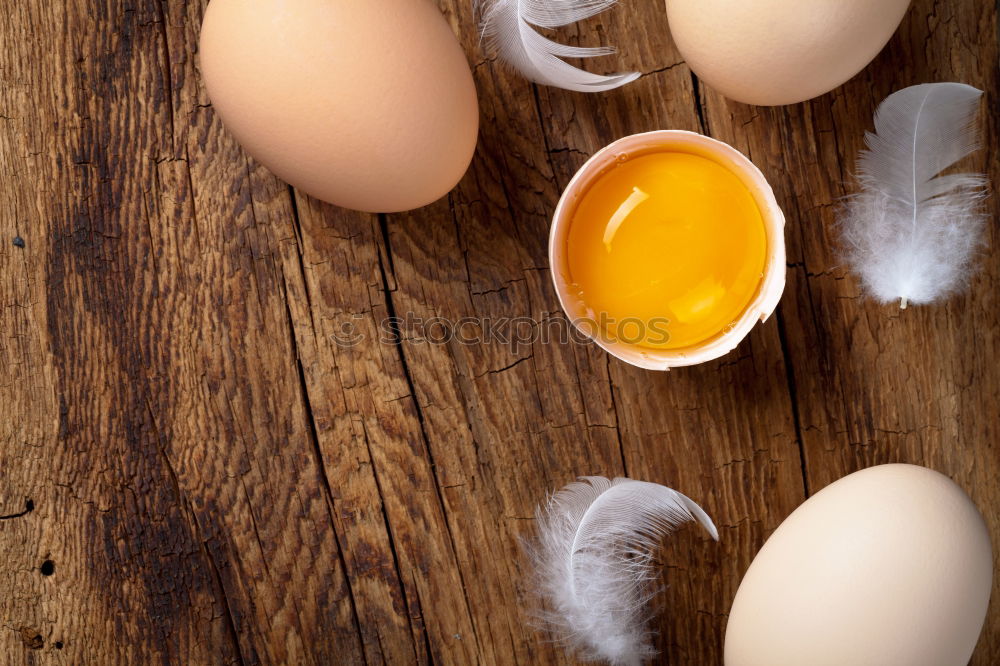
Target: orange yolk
pixel 666 250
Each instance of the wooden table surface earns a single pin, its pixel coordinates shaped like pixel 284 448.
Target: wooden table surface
pixel 195 468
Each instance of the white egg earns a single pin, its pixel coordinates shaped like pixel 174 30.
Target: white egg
pixel 890 566
pixel 772 52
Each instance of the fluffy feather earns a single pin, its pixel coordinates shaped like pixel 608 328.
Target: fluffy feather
pixel 910 233
pixel 594 562
pixel 507 27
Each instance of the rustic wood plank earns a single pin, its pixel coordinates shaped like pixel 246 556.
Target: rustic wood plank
pixel 874 384
pixel 104 526
pixel 217 477
pixel 505 422
pixel 713 431
pixel 178 492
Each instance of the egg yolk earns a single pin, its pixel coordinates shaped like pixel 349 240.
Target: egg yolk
pixel 666 250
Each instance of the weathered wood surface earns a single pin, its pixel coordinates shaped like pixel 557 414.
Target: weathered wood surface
pixel 193 470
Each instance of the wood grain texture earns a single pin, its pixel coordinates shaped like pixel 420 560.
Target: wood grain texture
pixel 214 476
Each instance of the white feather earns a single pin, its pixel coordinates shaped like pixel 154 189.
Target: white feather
pixel 507 26
pixel 911 232
pixel 594 563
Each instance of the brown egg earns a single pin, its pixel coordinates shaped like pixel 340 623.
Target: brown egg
pixel 368 105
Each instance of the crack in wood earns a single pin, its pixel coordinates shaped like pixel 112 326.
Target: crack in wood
pixel 699 104
pixel 168 72
pixel 391 311
pixel 422 633
pixel 549 152
pixel 192 516
pixel 618 419
pixel 660 70
pixel 311 420
pixel 221 594
pixel 427 643
pixel 506 367
pixel 29 506
pixel 793 398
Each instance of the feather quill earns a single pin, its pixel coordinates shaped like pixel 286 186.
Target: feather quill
pixel 594 563
pixel 508 27
pixel 911 231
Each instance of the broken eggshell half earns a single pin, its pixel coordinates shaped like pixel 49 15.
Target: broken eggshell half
pixel 761 305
